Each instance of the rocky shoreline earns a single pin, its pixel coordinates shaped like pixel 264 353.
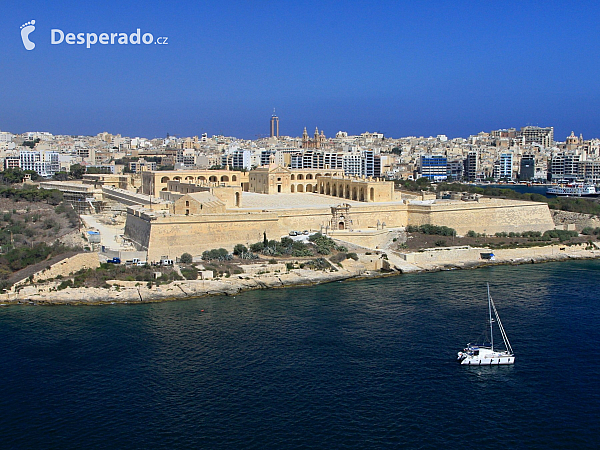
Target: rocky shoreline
pixel 131 292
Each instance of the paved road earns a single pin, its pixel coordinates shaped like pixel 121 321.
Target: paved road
pixel 110 235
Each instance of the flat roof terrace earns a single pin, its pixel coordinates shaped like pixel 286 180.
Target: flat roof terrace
pixel 251 200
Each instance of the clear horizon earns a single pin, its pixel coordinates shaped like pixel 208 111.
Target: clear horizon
pixel 399 68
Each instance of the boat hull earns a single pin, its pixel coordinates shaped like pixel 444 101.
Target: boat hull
pixel 498 361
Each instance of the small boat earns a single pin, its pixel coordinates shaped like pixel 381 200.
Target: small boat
pixel 484 355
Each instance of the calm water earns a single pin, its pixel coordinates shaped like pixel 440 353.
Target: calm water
pixel 521 188
pixel 345 365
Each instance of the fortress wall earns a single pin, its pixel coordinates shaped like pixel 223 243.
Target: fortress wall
pixel 362 217
pixel 300 220
pixel 368 216
pixel 484 217
pixel 368 239
pixel 138 230
pixel 174 235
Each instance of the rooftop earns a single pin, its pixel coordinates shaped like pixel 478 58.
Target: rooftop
pixel 252 200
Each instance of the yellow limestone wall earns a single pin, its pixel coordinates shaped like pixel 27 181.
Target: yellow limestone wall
pixel 173 235
pixel 491 216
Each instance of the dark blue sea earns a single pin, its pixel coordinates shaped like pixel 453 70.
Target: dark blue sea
pixel 365 365
pixel 521 188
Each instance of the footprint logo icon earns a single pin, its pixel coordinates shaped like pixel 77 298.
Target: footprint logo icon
pixel 26 30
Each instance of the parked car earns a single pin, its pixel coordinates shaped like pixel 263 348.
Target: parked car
pixel 114 261
pixel 293 233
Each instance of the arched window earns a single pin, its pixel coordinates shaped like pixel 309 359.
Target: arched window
pixel 164 179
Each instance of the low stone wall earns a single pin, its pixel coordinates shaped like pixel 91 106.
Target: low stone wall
pixel 577 221
pixel 444 254
pixel 87 260
pixel 364 238
pixel 254 269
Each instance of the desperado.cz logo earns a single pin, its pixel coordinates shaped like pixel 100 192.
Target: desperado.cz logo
pixel 58 36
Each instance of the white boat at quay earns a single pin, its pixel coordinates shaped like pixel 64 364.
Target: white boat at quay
pixel 573 190
pixel 483 355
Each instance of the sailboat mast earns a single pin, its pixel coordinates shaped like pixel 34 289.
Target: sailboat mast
pixel 490 312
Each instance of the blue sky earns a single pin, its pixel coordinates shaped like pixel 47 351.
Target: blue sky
pixel 402 68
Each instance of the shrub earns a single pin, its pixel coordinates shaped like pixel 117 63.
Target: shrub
pixel 338 258
pixel 588 231
pixel 431 229
pixel 240 249
pixel 562 235
pixel 190 273
pixel 65 284
pixel 353 256
pixel 219 254
pixel 186 258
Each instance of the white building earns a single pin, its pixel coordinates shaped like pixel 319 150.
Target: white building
pixel 46 164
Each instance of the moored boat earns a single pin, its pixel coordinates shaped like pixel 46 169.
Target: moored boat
pixel 573 190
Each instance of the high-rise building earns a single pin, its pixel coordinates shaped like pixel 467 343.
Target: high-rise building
pixel 455 169
pixel 538 135
pixel 527 167
pixel 45 163
pixel 274 125
pixel 503 167
pixel 471 166
pixel 434 167
pixel 564 165
pixel 589 171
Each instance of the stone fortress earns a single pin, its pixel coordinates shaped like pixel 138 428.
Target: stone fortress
pixel 196 210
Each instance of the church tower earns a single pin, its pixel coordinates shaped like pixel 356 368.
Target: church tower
pixel 305 138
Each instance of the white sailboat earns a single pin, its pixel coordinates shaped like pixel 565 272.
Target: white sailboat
pixel 480 355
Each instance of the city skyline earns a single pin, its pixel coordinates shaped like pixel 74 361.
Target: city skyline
pixel 390 67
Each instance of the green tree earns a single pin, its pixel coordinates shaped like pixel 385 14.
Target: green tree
pixel 12 176
pixel 186 258
pixel 239 249
pixel 77 171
